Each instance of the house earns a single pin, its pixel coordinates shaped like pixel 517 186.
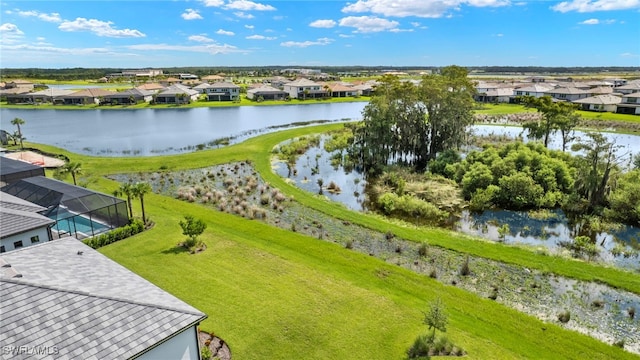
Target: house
pixel 38 97
pixel 601 90
pixel 599 103
pixel 18 83
pixel 266 92
pixel 65 300
pixel 12 171
pixel 129 96
pixel 304 89
pixel 629 88
pixel 364 89
pixel 340 90
pixel 630 104
pixel 221 91
pixel 176 94
pixel 535 90
pixel 213 78
pixel 85 97
pixel 75 210
pixel 153 87
pixel 277 81
pixel 21 223
pixel 499 95
pixel 567 93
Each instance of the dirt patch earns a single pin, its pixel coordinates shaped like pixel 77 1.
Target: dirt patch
pixel 36 159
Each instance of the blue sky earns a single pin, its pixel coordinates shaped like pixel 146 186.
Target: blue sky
pixel 137 34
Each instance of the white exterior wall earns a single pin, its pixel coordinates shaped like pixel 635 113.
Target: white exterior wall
pixel 42 234
pixel 183 346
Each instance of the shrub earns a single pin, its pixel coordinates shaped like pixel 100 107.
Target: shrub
pixel 420 347
pixel 349 244
pixel 134 227
pixel 632 312
pixel 619 343
pixel 205 353
pixel 423 250
pixel 464 268
pixel 564 316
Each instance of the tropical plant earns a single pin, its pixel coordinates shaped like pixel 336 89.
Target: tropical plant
pixel 17 122
pixel 72 168
pixel 140 190
pixel 127 190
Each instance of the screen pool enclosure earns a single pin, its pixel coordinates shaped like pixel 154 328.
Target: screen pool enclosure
pixel 77 211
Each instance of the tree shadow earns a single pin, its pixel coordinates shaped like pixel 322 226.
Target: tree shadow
pixel 178 249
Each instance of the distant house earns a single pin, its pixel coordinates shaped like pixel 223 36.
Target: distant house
pixel 85 97
pixel 599 103
pixel 535 90
pixel 18 83
pixel 222 91
pixel 71 302
pixel 266 92
pixel 304 89
pixel 629 88
pixel 154 87
pixel 42 96
pixel 567 93
pixel 176 94
pixel 21 223
pixel 213 78
pixel 630 104
pixel 601 90
pixel 363 89
pixel 277 81
pixel 129 96
pixel 499 95
pixel 341 90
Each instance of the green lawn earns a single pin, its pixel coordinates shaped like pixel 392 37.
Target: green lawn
pixel 275 294
pixel 503 109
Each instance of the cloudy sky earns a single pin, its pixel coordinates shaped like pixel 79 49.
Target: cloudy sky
pixel 313 33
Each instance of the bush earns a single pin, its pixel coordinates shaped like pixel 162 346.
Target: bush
pixel 464 269
pixel 564 316
pixel 420 347
pixel 423 250
pixel 134 227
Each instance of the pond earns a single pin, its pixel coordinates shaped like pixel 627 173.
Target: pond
pixel 543 233
pixel 148 132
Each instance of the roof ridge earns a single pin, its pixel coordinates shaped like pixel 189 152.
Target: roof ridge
pixel 78 292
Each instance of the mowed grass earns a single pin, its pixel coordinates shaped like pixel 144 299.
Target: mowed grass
pixel 275 294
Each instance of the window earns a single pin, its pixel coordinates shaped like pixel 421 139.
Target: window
pixel 35 239
pixel 17 244
pixel 2 249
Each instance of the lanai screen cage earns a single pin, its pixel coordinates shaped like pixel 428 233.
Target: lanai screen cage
pixel 77 211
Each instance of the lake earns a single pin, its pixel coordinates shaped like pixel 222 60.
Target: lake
pixel 147 132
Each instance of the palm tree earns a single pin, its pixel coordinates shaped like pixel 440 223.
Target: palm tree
pixel 126 190
pixel 139 191
pixel 73 168
pixel 17 122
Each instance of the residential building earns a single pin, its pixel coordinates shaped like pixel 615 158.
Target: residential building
pixel 304 89
pixel 69 301
pixel 85 97
pixel 630 104
pixel 176 94
pixel 567 93
pixel 629 88
pixel 599 103
pixel 266 92
pixel 222 91
pixel 535 90
pixel 12 171
pixel 22 224
pixel 129 96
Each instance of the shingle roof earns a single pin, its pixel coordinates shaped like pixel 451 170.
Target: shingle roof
pixel 224 85
pixel 8 201
pixel 265 89
pixel 600 100
pixel 70 296
pixel 632 95
pixel 567 90
pixel 18 221
pixel 94 93
pixel 302 82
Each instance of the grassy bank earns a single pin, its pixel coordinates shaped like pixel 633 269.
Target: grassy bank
pixel 276 294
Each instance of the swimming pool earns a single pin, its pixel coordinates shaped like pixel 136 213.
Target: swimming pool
pixel 77 224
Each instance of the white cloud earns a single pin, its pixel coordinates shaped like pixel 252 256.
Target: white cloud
pixel 367 24
pixel 245 5
pixel 327 24
pixel 53 17
pixel 260 37
pixel 499 35
pixel 400 30
pixel 100 28
pixel 303 44
pixel 630 55
pixel 590 22
pixel 249 26
pixel 346 36
pixel 583 6
pixel 200 38
pixel 243 15
pixel 209 48
pixel 191 14
pixel 417 8
pixel 225 32
pixel 213 3
pixel 50 49
pixel 8 28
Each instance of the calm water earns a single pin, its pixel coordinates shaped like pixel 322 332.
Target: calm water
pixel 163 131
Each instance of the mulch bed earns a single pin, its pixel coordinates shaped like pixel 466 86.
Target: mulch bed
pixel 219 348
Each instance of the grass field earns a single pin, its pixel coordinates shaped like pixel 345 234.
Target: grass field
pixel 276 294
